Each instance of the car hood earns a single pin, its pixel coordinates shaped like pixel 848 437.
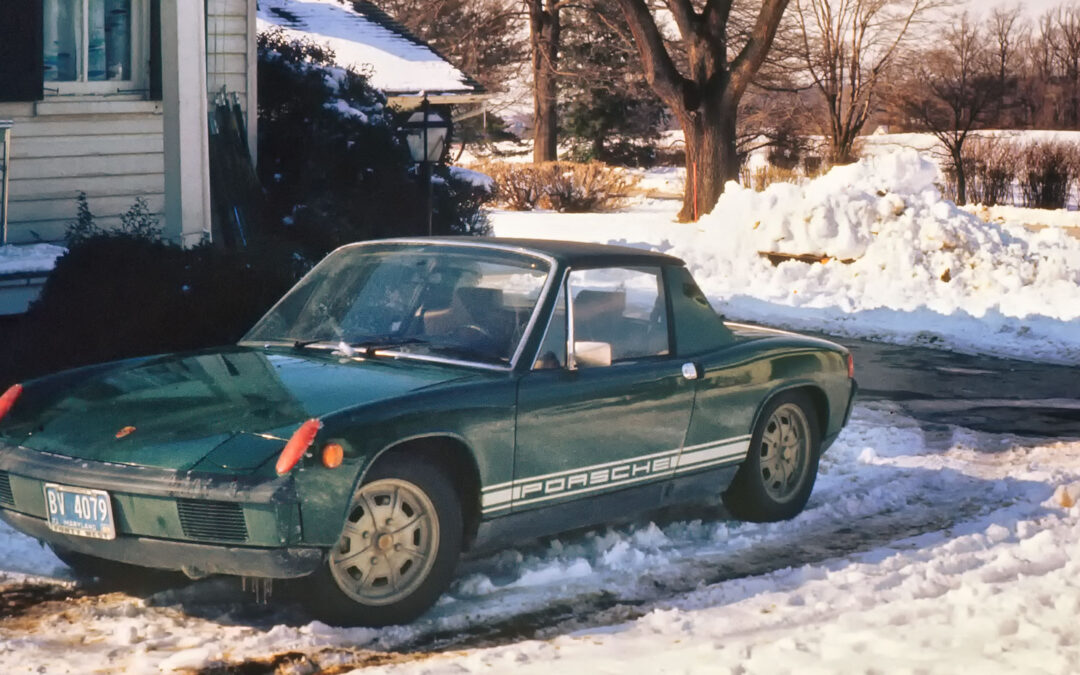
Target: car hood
pixel 172 411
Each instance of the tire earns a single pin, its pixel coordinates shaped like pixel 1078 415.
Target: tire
pixel 778 475
pixel 398 550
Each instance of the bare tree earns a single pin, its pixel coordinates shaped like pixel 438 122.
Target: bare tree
pixel 1035 93
pixel 544 34
pixel 1066 49
pixel 701 77
pixel 951 91
pixel 1008 32
pixel 479 36
pixel 845 46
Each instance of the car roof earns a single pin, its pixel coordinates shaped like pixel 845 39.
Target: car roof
pixel 571 253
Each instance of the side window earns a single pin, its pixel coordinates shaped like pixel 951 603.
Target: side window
pixel 553 350
pixel 620 307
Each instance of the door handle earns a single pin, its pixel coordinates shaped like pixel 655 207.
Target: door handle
pixel 690 371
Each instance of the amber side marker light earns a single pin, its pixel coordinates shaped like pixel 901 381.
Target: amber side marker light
pixel 301 440
pixel 7 400
pixel 332 455
pixel 850 366
pixel 125 432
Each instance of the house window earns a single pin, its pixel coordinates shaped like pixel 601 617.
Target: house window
pixel 93 46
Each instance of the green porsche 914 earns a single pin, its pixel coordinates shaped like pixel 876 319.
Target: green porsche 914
pixel 409 400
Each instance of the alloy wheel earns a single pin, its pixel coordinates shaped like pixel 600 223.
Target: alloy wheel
pixel 389 542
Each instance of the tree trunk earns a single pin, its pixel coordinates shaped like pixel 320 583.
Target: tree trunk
pixel 961 177
pixel 544 34
pixel 711 157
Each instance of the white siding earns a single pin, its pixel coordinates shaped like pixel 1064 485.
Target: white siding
pixel 59 150
pixel 113 149
pixel 230 39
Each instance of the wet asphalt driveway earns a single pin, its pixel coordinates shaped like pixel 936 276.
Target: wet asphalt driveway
pixel 989 394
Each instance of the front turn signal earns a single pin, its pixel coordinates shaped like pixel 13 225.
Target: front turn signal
pixel 7 400
pixel 332 455
pixel 298 444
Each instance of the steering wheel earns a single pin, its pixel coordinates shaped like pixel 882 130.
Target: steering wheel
pixel 473 333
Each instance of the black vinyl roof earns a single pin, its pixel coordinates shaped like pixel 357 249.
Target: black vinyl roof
pixel 576 253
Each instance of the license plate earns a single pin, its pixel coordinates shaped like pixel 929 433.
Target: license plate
pixel 79 511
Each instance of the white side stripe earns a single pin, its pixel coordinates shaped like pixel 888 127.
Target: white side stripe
pixel 732 448
pixel 497 497
pixel 584 480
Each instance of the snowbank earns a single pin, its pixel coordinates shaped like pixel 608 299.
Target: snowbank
pixel 1035 218
pixel 29 258
pixel 922 270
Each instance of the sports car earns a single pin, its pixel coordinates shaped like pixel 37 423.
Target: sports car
pixel 411 400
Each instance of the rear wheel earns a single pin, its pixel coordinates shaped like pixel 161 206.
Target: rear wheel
pixel 398 548
pixel 778 475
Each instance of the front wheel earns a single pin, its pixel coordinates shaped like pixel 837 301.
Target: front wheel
pixel 398 548
pixel 775 481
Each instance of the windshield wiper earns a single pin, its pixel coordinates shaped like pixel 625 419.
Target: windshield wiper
pixel 301 344
pixel 371 345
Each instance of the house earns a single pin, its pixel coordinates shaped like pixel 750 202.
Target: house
pixel 364 37
pixel 112 97
pixel 109 97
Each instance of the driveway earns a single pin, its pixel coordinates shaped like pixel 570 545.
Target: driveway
pixel 1003 396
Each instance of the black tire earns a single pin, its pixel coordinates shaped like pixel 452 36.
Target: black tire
pixel 778 475
pixel 346 590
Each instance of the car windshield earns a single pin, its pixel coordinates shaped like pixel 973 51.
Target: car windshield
pixel 459 302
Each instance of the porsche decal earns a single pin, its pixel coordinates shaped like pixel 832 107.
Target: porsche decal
pixel 588 479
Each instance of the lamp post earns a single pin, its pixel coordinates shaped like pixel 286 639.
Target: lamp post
pixel 425 134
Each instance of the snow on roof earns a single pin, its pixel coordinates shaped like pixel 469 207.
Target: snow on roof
pixel 367 39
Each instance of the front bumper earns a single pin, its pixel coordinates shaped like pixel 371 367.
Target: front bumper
pixel 198 522
pixel 193 558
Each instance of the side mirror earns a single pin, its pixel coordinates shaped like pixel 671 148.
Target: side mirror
pixel 592 354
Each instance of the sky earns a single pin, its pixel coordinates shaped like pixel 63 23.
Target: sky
pixel 1033 8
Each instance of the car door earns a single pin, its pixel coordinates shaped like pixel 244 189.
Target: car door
pixel 606 407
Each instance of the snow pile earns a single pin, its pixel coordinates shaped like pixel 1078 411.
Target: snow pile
pixel 1032 218
pixel 921 269
pixel 29 258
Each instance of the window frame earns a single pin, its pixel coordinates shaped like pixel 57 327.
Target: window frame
pixel 137 87
pixel 564 288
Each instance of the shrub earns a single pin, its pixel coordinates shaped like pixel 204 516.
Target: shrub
pixel 117 294
pixel 991 166
pixel 330 158
pixel 137 222
pixel 562 186
pixel 760 177
pixel 1048 171
pixel 516 187
pixel 584 188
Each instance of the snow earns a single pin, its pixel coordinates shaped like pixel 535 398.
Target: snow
pixel 920 551
pixel 395 63
pixel 29 257
pixel 1034 218
pixel 922 271
pixel 474 178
